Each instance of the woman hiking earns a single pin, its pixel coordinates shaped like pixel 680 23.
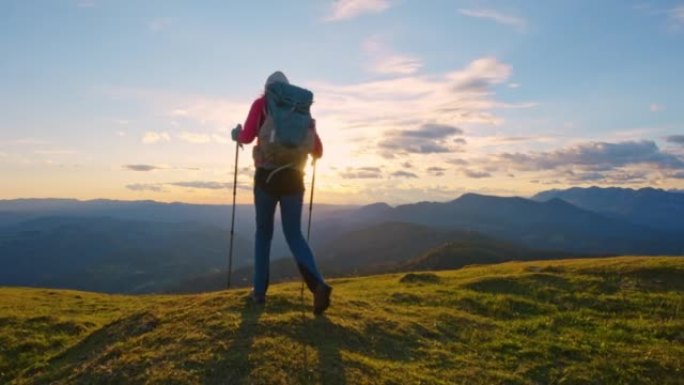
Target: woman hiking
pixel 286 134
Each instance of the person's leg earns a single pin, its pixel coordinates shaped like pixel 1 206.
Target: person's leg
pixel 291 216
pixel 264 205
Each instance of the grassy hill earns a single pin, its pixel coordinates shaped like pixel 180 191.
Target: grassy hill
pixel 477 250
pixel 592 321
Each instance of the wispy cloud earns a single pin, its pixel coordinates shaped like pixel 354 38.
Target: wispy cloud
pixel 596 156
pixel 384 60
pixel 349 9
pixel 54 152
pixel 403 174
pixel 142 187
pixel 475 174
pixel 458 162
pixel 428 139
pixel 203 185
pixel 459 97
pixel 141 167
pixel 151 137
pixel 631 162
pixel 677 14
pixel 496 16
pixel 193 137
pixel 215 113
pixel 23 142
pixel 436 171
pixel 654 107
pixel 361 173
pixel 676 139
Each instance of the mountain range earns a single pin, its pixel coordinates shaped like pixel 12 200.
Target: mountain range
pixel 651 207
pixel 146 246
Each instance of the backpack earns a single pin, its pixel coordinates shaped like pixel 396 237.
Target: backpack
pixel 286 137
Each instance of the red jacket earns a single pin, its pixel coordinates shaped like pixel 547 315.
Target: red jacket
pixel 255 119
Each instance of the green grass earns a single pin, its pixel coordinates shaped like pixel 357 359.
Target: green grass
pixel 593 321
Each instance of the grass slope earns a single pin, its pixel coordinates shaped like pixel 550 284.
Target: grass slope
pixel 602 321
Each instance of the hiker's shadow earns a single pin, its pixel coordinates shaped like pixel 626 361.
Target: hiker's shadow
pixel 322 335
pixel 234 366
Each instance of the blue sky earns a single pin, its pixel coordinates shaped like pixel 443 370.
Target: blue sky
pixel 415 100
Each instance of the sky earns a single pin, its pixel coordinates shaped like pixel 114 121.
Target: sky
pixel 414 100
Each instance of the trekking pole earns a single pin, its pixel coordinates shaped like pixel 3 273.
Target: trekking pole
pixel 232 220
pixel 301 290
pixel 313 182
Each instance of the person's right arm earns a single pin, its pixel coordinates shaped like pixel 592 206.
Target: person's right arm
pixel 254 121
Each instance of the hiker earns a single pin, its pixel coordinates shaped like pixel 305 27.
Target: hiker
pixel 286 133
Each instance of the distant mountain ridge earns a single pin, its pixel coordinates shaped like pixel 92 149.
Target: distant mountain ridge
pixel 554 224
pixel 191 239
pixel 112 255
pixel 652 207
pixel 387 247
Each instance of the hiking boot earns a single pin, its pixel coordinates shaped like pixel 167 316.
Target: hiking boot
pixel 321 298
pixel 258 299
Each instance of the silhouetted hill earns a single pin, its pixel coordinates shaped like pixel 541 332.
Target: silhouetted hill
pixel 555 225
pixel 656 208
pixel 382 248
pixel 477 250
pixel 126 246
pixel 111 255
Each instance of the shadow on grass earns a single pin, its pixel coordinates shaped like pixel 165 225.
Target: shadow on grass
pixel 233 365
pixel 94 350
pixel 330 365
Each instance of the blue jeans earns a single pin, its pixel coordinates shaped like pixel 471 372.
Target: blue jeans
pixel 291 217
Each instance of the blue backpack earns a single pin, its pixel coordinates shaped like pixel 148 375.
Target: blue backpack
pixel 286 137
pixel 289 107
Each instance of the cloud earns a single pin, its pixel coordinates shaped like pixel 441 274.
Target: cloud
pixel 436 171
pixel 656 107
pixel 155 137
pixel 348 9
pixel 596 156
pixel 217 113
pixel 496 16
pixel 454 98
pixel 153 187
pixel 407 165
pixel 677 14
pixel 141 167
pixel 480 75
pixel 676 139
pixel 458 162
pixel 475 174
pixel 54 152
pixel 192 137
pixel 404 174
pixel 361 173
pixel 384 61
pixel 428 139
pixel 205 185
pixel 431 131
pixel 23 142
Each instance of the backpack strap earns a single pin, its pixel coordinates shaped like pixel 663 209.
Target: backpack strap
pixel 281 168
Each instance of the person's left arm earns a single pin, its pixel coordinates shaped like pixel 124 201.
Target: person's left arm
pixel 317 152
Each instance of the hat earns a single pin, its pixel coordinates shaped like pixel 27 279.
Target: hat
pixel 277 77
